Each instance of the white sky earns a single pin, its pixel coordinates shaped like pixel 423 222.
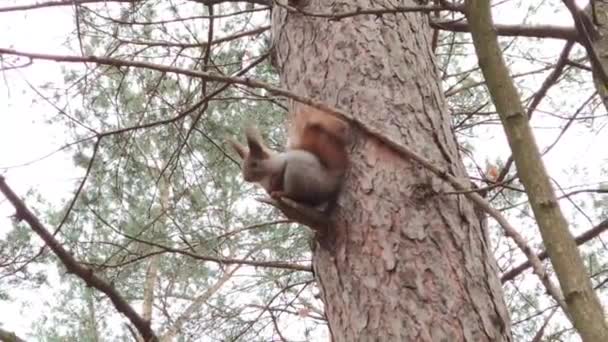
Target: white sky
pixel 25 137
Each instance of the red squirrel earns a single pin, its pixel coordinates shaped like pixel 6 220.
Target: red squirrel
pixel 312 168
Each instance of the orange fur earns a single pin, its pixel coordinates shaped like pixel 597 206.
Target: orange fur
pixel 312 168
pixel 323 135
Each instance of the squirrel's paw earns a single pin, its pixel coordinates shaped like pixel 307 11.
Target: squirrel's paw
pixel 277 194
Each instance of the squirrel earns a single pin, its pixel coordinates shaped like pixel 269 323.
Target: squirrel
pixel 312 168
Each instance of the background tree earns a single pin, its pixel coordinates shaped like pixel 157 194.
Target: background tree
pixel 162 216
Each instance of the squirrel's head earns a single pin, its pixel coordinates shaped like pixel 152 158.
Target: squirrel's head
pixel 255 157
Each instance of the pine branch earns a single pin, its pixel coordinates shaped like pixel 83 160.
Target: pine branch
pixel 73 266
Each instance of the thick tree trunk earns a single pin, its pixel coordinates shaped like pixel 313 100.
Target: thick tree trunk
pixel 407 263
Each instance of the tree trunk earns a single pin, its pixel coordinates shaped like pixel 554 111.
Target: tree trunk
pixel 406 262
pixel 93 322
pixel 598 15
pixel 583 305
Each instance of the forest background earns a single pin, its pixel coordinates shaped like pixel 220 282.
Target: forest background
pixel 49 109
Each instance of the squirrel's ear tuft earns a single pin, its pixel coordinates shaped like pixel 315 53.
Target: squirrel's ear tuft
pixel 256 143
pixel 241 150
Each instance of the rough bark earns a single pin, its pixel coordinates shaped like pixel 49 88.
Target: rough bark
pixel 404 261
pixel 583 304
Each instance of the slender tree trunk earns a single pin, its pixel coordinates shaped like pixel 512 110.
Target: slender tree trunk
pixel 583 305
pixel 154 263
pixel 598 16
pixel 405 262
pixel 94 329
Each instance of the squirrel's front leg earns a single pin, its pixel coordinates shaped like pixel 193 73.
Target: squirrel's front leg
pixel 277 185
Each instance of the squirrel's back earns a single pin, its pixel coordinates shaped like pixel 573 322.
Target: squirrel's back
pixel 323 135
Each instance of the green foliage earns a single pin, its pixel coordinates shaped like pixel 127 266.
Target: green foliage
pixel 168 189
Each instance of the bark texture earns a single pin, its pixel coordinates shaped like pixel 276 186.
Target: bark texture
pixel 405 262
pixel 584 307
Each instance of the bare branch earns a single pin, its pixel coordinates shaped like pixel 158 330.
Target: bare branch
pixel 217 2
pixel 219 260
pixel 58 3
pixel 536 31
pixel 370 11
pixel 587 34
pixel 135 22
pixel 581 239
pixel 539 334
pixel 206 44
pixel 80 187
pixel 7 336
